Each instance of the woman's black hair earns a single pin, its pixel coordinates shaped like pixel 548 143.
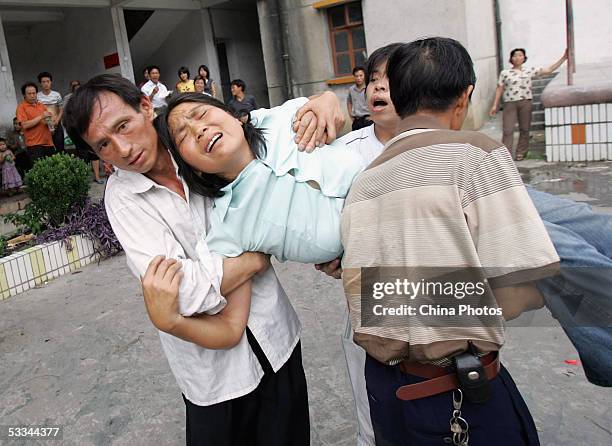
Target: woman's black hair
pixel 381 55
pixel 206 184
pixel 205 69
pixel 183 70
pixel 515 50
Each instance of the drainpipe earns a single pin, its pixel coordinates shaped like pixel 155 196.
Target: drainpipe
pixel 498 36
pixel 569 26
pixel 284 45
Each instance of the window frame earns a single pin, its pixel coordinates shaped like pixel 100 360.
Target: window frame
pixel 348 27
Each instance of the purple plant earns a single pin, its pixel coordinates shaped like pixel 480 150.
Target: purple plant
pixel 89 220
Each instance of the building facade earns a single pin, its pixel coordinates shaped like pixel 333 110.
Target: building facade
pixel 280 48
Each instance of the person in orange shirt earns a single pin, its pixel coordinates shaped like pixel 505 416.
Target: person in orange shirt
pixel 35 120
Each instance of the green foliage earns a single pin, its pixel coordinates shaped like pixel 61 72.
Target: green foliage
pixel 2 246
pixel 31 219
pixel 55 185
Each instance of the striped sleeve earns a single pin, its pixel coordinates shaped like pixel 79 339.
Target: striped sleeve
pixel 510 238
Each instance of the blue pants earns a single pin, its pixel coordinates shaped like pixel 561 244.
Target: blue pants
pixel 504 420
pixel 580 298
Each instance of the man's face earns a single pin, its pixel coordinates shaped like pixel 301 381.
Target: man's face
pixel 45 84
pixel 359 78
pixel 378 97
pixel 235 89
pixel 30 95
pixel 154 75
pixel 122 136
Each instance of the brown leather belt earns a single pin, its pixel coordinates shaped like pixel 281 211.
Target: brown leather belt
pixel 439 380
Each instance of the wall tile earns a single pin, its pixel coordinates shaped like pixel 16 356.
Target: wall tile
pixel 581 113
pixel 588 113
pixel 596 152
pixel 574 111
pixel 589 133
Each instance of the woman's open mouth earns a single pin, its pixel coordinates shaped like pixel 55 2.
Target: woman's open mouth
pixel 216 137
pixel 379 104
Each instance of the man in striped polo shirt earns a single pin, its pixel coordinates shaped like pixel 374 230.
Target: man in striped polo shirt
pixel 468 208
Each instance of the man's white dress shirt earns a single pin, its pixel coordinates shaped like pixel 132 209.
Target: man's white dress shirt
pixel 149 220
pixel 159 99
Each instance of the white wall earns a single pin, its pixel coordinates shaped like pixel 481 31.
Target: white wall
pixel 71 49
pixel 539 27
pixel 8 102
pixel 471 22
pixel 240 31
pixel 184 46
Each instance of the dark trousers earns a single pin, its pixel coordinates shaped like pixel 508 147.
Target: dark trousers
pixel 58 138
pixel 274 414
pixel 37 152
pixel 361 122
pixel 23 162
pixel 504 420
pixel 513 111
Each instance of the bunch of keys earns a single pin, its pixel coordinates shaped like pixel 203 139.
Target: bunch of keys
pixel 458 425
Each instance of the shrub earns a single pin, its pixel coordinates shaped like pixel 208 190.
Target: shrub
pixel 56 185
pixel 90 220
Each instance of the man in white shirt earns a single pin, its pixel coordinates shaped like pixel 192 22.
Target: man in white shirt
pixel 254 393
pixel 369 143
pixel 53 101
pixel 155 90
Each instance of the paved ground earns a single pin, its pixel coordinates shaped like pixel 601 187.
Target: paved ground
pixel 81 352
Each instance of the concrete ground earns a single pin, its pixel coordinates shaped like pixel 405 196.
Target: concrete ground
pixel 80 352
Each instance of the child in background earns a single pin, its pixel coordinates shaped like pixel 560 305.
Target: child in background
pixel 11 180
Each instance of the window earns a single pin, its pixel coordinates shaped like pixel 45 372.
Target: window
pixel 347 37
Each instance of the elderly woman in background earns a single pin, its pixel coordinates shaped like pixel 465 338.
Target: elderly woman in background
pixel 515 85
pixel 200 85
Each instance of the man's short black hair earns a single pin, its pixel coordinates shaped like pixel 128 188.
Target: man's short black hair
pixel 2 139
pixel 358 68
pixel 239 83
pixel 44 74
pixel 381 55
pixel 429 74
pixel 154 67
pixel 78 110
pixel 183 70
pixel 28 84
